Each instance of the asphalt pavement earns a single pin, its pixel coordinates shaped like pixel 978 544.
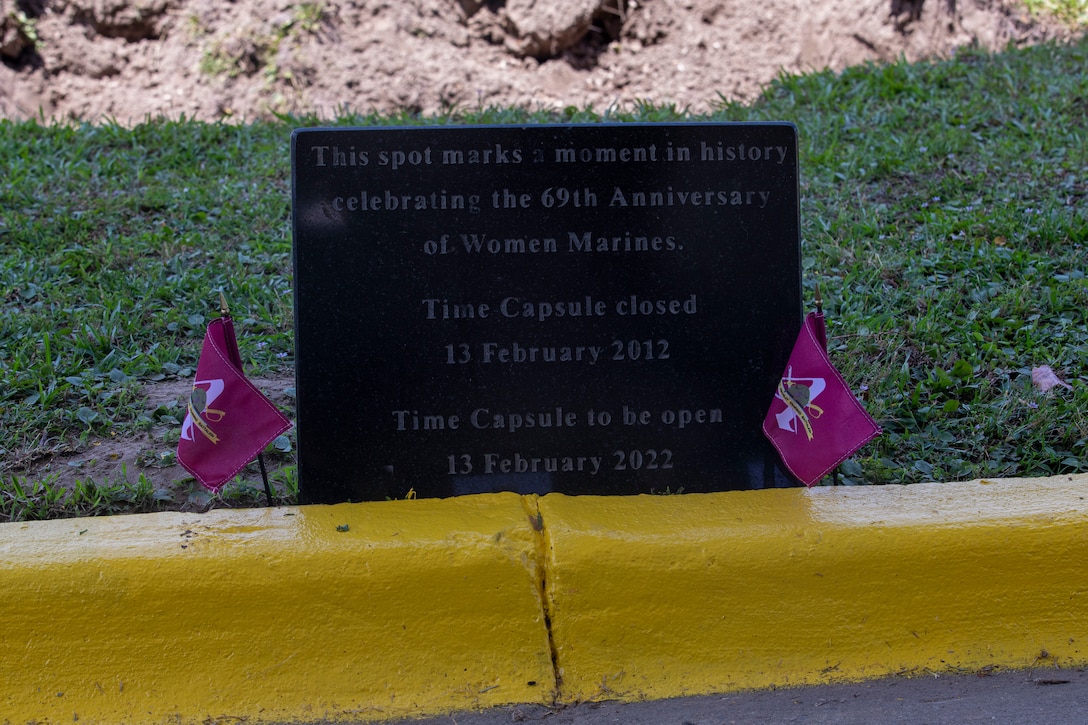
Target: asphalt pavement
pixel 1041 696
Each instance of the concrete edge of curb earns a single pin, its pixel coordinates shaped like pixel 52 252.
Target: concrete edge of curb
pixel 407 608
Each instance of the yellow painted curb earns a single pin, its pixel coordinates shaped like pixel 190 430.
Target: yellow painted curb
pixel 356 611
pixel 405 608
pixel 655 597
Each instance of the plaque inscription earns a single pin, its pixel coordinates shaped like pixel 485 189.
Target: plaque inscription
pixel 598 309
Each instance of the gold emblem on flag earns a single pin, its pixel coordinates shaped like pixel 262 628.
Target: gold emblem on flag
pixel 798 397
pixel 202 415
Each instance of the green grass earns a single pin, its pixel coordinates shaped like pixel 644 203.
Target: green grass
pixel 945 205
pixel 944 216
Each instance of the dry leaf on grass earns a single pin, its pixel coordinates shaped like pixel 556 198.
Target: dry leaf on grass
pixel 1044 378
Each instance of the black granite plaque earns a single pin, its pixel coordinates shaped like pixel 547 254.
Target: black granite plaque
pixel 600 309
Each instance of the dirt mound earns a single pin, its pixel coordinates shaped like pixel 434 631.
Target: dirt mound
pixel 248 59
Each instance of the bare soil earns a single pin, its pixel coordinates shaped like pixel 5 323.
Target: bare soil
pixel 129 60
pixel 108 461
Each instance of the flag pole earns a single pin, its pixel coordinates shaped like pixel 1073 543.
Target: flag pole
pixel 224 312
pixel 819 301
pixel 268 489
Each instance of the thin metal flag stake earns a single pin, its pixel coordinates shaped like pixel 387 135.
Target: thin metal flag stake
pixel 819 301
pixel 224 312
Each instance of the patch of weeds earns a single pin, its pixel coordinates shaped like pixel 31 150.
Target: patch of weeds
pixel 22 500
pixel 308 17
pixel 195 27
pixel 247 53
pixel 158 458
pixel 96 499
pixel 1073 13
pixel 246 490
pixel 18 34
pixel 218 61
pixel 287 480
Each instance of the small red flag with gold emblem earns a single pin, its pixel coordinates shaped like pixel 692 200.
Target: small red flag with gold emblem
pixel 229 421
pixel 814 421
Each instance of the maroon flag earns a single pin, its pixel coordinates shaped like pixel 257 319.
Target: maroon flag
pixel 229 421
pixel 814 421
